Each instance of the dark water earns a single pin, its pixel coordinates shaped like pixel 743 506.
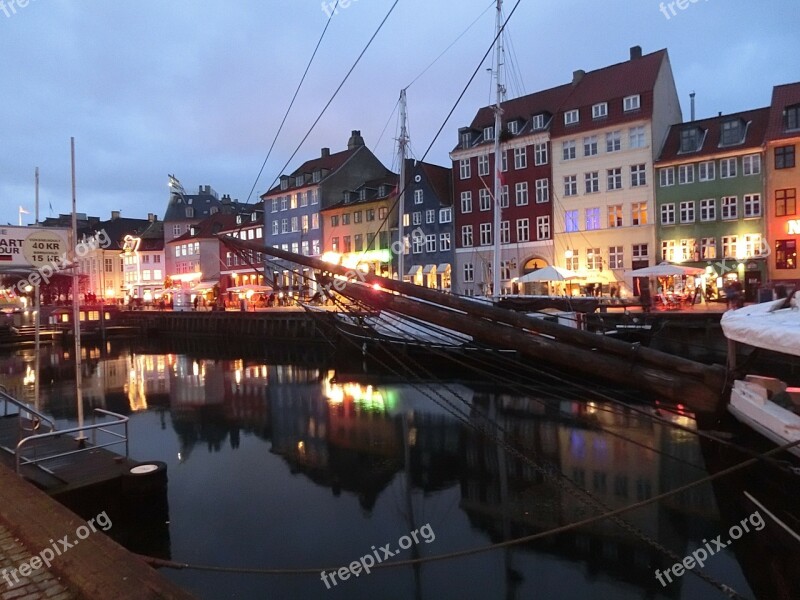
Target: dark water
pixel 298 465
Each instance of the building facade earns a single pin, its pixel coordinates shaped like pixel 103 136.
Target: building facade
pixel 143 262
pixel 244 268
pixel 606 137
pixel 783 181
pixel 710 200
pixel 185 210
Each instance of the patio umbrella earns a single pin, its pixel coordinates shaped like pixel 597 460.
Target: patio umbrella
pixel 667 270
pixel 549 274
pixel 249 287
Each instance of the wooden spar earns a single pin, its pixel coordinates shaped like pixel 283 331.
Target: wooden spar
pixel 714 376
pixel 677 388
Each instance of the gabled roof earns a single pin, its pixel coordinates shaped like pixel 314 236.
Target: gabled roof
pixel 152 238
pixel 783 96
pixel 524 107
pixel 755 122
pixel 439 178
pixel 373 191
pixel 208 228
pixel 202 203
pixel 331 163
pixel 117 229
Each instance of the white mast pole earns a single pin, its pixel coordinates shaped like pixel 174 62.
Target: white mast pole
pixel 76 321
pixel 498 126
pixel 37 306
pixel 402 147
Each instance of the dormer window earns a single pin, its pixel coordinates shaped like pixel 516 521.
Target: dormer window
pixel 362 194
pixel 382 191
pixel 299 180
pixel 213 210
pixel 466 139
pixel 631 103
pixel 238 219
pixel 316 176
pixel 192 230
pixel 253 216
pixel 189 212
pixel 691 139
pixel 571 117
pixel 513 127
pixel 791 117
pixel 284 183
pixel 600 110
pixel 488 133
pixel 732 132
pixel 538 122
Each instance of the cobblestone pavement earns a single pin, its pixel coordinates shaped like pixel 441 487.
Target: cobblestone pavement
pixel 39 584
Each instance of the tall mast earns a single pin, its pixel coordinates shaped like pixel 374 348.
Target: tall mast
pixel 37 307
pixel 76 320
pixel 498 125
pixel 402 151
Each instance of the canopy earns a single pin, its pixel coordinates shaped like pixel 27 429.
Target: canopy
pixel 549 274
pixel 767 325
pixel 666 269
pixel 249 287
pixel 428 269
pixel 412 272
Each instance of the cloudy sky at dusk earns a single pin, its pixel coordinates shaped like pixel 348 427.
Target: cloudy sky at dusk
pixel 198 88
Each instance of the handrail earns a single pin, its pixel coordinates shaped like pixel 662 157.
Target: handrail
pixel 94 427
pixel 24 406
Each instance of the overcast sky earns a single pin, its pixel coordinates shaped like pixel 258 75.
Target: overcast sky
pixel 198 87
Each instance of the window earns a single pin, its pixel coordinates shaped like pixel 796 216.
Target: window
pixel 416 244
pixel 727 168
pixel 285 203
pixel 358 242
pixel 345 218
pixel 523 230
pixel 488 133
pixel 335 244
pixel 520 158
pixel 615 257
pixel 690 139
pixel 540 154
pixel 334 220
pixel 284 225
pixel 444 241
pixel 504 197
pixel 315 196
pixel 190 212
pixel 730 245
pixel 785 254
pixel 418 196
pixel 668 214
pixel 791 117
pixel 357 216
pixel 708 209
pixel 785 202
pixel 484 199
pixel 275 227
pixel 315 247
pixel 638 175
pixel 176 230
pixel 640 254
pixel 505 232
pixel 752 205
pixel 316 176
pixel 445 215
pixel 752 245
pixel 542 191
pixel 571 117
pixel 568 150
pixel 729 207
pixel 521 190
pixel 784 157
pixel 504 161
pixel 466 235
pixel 708 248
pixel 637 137
pixel 571 221
pixel 639 213
pixel 513 127
pixel 274 205
pixel 615 215
pixel 293 200
pixel 666 177
pixel 594 260
pixel 732 132
pixel 571 185
pixel 416 218
pixel 573 259
pixel 592 219
pixel 543 227
pixel 430 242
pixel 592 182
pixel 687 211
pixel 304 198
pixel 590 145
pixel 705 171
pixel 600 110
pixel 614 179
pixel 304 247
pixel 295 224
pixel 466 202
pixel 347 244
pixel 613 141
pixel 464 168
pixel 370 214
pixel 383 212
pixel 466 139
pixel 469 272
pixel 687 250
pixel 631 103
pixel 304 223
pixel 486 234
pixel 483 164
pixel 751 165
pixel 685 174
pixel 668 250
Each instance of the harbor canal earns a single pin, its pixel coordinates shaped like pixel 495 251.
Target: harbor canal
pixel 289 461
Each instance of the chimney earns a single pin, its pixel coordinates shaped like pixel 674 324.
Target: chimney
pixel 691 96
pixel 114 215
pixel 325 152
pixel 151 217
pixel 577 76
pixel 636 52
pixel 355 140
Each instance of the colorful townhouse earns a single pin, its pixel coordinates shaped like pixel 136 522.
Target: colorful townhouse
pixel 428 226
pixel 143 262
pixel 606 135
pixel 783 181
pixel 526 217
pixel 245 267
pixel 292 208
pixel 710 200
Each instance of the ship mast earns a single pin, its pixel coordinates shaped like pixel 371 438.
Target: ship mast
pixel 498 125
pixel 402 151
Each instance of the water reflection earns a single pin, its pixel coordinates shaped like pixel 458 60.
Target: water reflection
pixel 295 466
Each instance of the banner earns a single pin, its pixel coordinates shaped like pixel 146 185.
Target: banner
pixel 31 247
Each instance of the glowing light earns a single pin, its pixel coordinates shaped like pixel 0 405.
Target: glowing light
pixel 375 286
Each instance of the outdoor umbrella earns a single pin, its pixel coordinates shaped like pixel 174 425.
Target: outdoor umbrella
pixel 667 270
pixel 549 274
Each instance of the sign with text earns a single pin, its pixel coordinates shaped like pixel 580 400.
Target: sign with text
pixel 31 247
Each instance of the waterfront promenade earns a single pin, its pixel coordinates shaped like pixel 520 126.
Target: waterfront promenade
pixel 86 564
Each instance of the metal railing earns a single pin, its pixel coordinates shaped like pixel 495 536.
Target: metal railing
pixel 24 407
pixel 122 438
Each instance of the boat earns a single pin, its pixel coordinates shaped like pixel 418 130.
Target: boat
pixel 766 404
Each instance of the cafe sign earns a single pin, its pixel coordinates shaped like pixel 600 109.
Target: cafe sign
pixel 793 227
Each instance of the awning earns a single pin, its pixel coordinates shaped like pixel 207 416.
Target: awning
pixel 414 270
pixel 443 267
pixel 428 269
pixel 204 286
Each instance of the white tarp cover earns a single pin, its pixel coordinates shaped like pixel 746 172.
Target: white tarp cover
pixel 765 325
